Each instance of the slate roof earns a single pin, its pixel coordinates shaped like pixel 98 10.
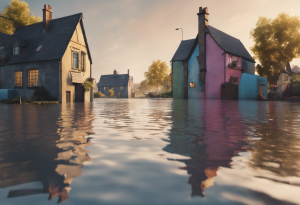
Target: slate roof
pixel 54 41
pixel 183 50
pixel 113 80
pixel 225 41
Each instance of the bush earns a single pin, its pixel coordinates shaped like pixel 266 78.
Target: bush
pixel 42 94
pixel 110 93
pixel 87 85
pixel 167 94
pixel 152 95
pixel 99 95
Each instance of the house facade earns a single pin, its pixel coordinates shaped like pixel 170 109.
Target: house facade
pixel 284 83
pixel 122 84
pixel 53 53
pixel 202 65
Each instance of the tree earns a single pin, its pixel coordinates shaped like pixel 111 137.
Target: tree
pixel 110 93
pixel 16 14
pixel 156 74
pixel 143 86
pixel 276 42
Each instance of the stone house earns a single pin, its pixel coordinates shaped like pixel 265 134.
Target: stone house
pixel 284 81
pixel 122 84
pixel 53 53
pixel 212 65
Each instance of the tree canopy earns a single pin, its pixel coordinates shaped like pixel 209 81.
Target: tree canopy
pixel 158 74
pixel 276 42
pixel 17 14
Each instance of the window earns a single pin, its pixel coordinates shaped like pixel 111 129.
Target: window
pixel 16 50
pixel 192 85
pixel 121 88
pixel 18 78
pixel 233 79
pixel 33 76
pixel 83 61
pixel 103 88
pixel 285 77
pixel 75 60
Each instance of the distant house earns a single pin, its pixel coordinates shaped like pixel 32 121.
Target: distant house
pixel 284 80
pixel 213 65
pixel 53 53
pixel 122 84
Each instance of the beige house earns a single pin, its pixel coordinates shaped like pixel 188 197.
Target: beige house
pixel 53 53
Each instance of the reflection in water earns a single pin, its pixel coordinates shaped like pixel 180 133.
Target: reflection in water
pixel 44 143
pixel 210 133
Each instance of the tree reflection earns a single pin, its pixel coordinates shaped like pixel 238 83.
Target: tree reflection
pixel 210 133
pixel 44 143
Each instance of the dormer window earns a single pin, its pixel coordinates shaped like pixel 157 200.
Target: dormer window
pixel 16 50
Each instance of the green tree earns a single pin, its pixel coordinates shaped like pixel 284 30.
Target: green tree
pixel 17 14
pixel 276 42
pixel 144 86
pixel 156 74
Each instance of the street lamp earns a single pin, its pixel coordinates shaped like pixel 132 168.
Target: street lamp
pixel 181 32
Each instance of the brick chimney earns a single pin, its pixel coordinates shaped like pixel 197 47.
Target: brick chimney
pixel 202 30
pixel 47 17
pixel 115 72
pixel 128 71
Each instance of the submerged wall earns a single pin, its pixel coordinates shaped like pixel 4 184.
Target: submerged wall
pixel 248 86
pixel 178 79
pixel 194 76
pixel 7 93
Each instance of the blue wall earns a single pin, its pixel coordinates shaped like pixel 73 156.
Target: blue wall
pixel 248 86
pixel 248 66
pixel 178 80
pixel 7 93
pixel 194 76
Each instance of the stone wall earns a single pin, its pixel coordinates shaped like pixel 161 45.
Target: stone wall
pixel 229 91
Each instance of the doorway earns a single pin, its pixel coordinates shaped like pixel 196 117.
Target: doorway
pixel 68 96
pixel 79 92
pixel 261 89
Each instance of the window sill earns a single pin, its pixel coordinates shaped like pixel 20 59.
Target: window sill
pixel 32 87
pixel 18 87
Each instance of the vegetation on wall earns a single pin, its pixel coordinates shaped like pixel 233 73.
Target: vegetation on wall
pixel 295 81
pixel 276 42
pixel 87 85
pixel 42 94
pixel 17 14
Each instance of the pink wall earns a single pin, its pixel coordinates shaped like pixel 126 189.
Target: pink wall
pixel 233 72
pixel 215 69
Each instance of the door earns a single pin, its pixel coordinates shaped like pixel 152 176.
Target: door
pixel 68 96
pixel 79 93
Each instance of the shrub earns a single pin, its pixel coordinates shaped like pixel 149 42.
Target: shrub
pixel 152 95
pixel 110 93
pixel 42 94
pixel 167 94
pixel 87 85
pixel 99 95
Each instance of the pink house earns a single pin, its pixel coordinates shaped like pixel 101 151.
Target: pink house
pixel 212 60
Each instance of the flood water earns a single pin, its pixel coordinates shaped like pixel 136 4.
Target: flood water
pixel 150 151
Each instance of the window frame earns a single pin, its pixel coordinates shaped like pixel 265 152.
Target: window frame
pixel 72 58
pixel 21 78
pixel 16 51
pixel 83 60
pixel 29 79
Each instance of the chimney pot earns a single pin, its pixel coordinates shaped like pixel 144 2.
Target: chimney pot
pixel 47 17
pixel 128 71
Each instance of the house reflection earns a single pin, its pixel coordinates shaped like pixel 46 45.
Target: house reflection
pixel 46 144
pixel 210 133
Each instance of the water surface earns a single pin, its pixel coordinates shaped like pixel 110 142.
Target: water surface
pixel 150 151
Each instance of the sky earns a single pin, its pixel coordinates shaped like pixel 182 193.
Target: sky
pixel 131 34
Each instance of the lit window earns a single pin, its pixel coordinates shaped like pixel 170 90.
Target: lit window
pixel 75 60
pixel 121 88
pixel 16 50
pixel 83 61
pixel 33 76
pixel 18 78
pixel 103 88
pixel 192 85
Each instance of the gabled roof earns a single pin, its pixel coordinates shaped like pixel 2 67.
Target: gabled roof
pixel 229 43
pixel 114 80
pixel 226 42
pixel 183 50
pixel 54 41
